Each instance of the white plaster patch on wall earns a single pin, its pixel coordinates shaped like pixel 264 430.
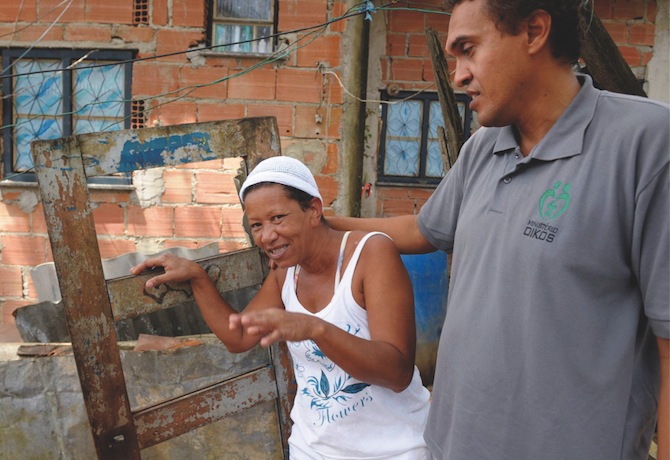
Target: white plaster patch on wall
pixel 149 186
pixel 27 201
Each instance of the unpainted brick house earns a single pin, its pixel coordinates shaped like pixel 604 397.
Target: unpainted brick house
pixel 77 66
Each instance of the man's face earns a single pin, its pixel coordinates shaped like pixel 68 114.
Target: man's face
pixel 490 65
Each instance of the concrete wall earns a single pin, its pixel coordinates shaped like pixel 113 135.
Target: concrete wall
pixel 43 413
pixel 194 205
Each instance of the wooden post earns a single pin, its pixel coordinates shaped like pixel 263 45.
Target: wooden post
pixel 452 117
pixel 604 61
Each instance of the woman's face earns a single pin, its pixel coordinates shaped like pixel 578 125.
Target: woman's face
pixel 279 226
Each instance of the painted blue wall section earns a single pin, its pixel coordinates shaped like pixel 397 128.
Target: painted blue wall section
pixel 430 278
pixel 137 155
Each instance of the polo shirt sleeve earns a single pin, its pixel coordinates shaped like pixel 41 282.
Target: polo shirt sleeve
pixel 651 244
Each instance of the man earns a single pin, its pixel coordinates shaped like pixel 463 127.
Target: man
pixel 556 335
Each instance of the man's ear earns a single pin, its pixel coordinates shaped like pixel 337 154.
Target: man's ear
pixel 538 29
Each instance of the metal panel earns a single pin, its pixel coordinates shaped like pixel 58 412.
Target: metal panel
pixel 230 271
pixel 62 168
pixel 191 411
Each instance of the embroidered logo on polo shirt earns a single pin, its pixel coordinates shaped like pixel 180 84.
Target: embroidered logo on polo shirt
pixel 553 202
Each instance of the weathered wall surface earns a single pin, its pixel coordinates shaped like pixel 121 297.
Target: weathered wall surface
pixel 194 205
pixel 43 413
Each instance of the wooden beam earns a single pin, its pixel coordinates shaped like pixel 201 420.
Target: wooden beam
pixel 604 61
pixel 450 114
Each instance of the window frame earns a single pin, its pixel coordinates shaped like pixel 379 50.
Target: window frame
pixel 211 21
pixel 427 98
pixel 69 56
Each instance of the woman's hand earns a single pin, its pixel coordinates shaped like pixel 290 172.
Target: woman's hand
pixel 176 269
pixel 276 325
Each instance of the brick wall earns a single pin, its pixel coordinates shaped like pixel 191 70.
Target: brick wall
pixel 194 205
pixel 190 205
pixel 406 65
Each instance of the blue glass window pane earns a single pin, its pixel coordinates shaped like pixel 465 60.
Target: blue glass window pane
pixel 38 105
pixel 98 102
pixel 251 35
pixel 435 119
pixel 434 165
pixel 405 118
pixel 28 130
pixel 260 10
pixel 402 158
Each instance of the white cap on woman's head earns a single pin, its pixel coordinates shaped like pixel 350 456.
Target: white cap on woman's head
pixel 285 171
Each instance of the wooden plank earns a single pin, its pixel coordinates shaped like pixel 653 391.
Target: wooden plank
pixel 132 149
pixel 604 61
pixel 191 411
pixel 450 114
pixel 230 271
pixel 62 183
pixel 286 390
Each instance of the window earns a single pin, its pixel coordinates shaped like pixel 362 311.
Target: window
pixel 243 26
pixel 410 151
pixel 52 93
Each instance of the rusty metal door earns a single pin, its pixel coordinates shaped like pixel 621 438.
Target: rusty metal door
pixel 92 305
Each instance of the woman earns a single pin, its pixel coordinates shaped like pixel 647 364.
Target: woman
pixel 343 302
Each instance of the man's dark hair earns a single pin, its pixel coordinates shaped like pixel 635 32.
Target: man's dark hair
pixel 566 34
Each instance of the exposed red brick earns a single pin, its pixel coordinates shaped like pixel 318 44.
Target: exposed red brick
pixel 134 34
pixel 299 85
pixel 113 247
pixel 187 13
pixel 39 224
pixel 177 112
pixel 337 11
pixel 50 10
pixel 329 188
pixel 152 78
pixel 256 84
pixel 11 284
pixel 232 223
pixel 628 9
pixel 35 32
pixel 175 41
pixel 109 219
pixel 307 127
pixel 106 12
pixel 215 188
pixel 152 221
pixel 642 34
pixel 108 196
pixel 213 111
pixel 406 21
pixel 24 250
pixel 396 45
pixel 631 55
pixel 406 69
pixel 326 49
pixel 10 334
pixel 9 306
pixel 283 113
pixel 159 12
pixel 25 11
pixel 296 14
pixel 13 219
pixel 78 33
pixel 178 185
pixel 204 82
pixel 440 23
pixel 617 30
pixel 418 46
pixel 201 221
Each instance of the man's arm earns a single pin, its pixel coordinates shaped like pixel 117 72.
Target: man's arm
pixel 404 230
pixel 663 426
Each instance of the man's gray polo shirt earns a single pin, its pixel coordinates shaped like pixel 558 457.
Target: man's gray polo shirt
pixel 559 275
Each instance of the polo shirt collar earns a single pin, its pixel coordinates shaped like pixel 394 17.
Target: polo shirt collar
pixel 566 137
